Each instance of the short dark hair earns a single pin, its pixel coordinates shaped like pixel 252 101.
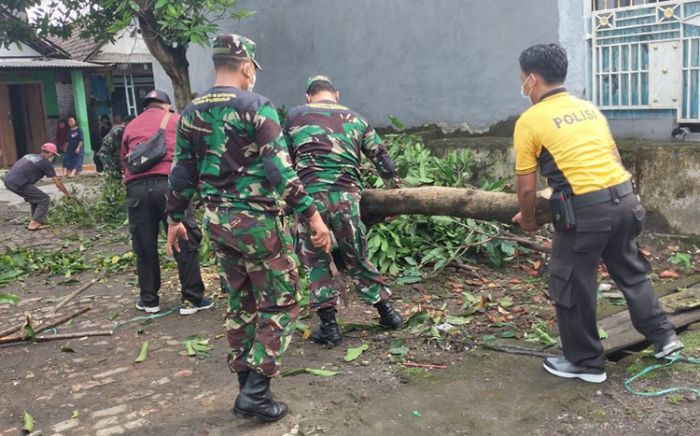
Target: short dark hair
pixel 227 62
pixel 547 60
pixel 320 86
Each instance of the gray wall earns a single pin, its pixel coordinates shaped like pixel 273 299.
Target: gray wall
pixel 425 61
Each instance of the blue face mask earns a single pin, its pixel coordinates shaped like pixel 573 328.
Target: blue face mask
pixel 522 89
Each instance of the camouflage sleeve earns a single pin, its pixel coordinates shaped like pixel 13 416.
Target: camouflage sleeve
pixel 288 139
pixel 375 151
pixel 182 181
pixel 278 164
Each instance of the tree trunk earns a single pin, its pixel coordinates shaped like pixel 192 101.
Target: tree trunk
pixel 377 204
pixel 172 59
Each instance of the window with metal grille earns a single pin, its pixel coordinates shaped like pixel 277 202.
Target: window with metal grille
pixel 601 5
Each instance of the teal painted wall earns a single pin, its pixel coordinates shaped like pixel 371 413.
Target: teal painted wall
pixel 48 85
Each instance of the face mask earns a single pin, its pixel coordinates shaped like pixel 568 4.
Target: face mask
pixel 251 85
pixel 522 89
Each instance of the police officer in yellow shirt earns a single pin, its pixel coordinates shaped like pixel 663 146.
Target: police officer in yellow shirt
pixel 596 215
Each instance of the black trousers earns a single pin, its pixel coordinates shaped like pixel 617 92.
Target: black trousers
pixel 145 199
pixel 608 231
pixel 37 199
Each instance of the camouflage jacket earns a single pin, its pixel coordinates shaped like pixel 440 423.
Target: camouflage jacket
pixel 109 150
pixel 231 149
pixel 326 141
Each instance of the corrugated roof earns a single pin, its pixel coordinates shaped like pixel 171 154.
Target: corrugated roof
pixel 117 58
pixel 44 63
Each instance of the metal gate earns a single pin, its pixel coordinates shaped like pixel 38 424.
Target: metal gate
pixel 645 56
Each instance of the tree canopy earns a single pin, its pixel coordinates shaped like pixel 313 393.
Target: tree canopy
pixel 168 27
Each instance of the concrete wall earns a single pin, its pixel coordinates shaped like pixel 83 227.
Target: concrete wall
pixel 425 61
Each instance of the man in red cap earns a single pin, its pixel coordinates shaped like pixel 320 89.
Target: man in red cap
pixel 25 173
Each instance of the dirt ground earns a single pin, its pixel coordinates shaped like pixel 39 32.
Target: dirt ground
pixel 91 386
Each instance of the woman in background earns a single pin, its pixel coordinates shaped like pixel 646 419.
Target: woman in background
pixel 75 152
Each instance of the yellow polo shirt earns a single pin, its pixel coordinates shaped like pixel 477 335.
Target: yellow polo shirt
pixel 570 141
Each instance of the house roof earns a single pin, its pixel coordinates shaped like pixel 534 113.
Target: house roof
pixel 24 63
pixel 42 45
pixel 78 48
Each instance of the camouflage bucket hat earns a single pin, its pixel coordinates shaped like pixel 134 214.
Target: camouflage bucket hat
pixel 311 80
pixel 235 46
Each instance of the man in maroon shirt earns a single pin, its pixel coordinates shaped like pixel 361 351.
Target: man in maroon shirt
pixel 145 199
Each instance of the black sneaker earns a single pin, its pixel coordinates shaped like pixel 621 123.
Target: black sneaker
pixel 148 309
pixel 561 367
pixel 668 347
pixel 190 308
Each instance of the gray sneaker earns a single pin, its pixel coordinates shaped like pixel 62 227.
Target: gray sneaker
pixel 668 347
pixel 561 367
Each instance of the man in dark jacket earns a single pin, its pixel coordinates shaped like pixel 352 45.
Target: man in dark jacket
pixel 145 198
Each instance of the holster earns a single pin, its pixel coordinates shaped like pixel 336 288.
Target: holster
pixel 563 213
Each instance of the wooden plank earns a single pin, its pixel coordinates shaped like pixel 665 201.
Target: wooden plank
pixel 621 333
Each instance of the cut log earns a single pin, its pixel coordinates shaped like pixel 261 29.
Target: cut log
pixel 378 204
pixel 621 333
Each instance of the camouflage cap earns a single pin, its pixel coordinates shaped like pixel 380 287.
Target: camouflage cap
pixel 311 80
pixel 235 46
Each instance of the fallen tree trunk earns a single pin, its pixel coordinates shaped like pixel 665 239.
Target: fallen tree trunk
pixel 378 204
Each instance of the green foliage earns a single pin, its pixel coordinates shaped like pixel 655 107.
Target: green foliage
pixel 87 210
pixel 19 263
pixel 539 334
pixel 682 260
pixel 176 23
pixel 9 298
pixel 409 243
pixel 197 346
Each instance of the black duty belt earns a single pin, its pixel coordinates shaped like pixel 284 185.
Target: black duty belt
pixel 613 193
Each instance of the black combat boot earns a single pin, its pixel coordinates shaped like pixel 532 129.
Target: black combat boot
pixel 254 400
pixel 242 377
pixel 329 333
pixel 388 316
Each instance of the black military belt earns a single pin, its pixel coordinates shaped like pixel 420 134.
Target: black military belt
pixel 613 193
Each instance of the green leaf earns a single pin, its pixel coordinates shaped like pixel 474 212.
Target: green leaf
pixel 400 350
pixel 9 299
pixel 28 330
pixel 197 346
pixel 321 372
pixel 508 334
pixel 143 354
pixel 293 371
pixel 28 422
pixel 505 302
pixel 602 333
pixel 488 338
pixel 457 320
pixel 75 414
pixel 354 353
pixel 418 318
pixel 397 123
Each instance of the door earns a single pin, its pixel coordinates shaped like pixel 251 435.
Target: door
pixel 34 112
pixel 7 131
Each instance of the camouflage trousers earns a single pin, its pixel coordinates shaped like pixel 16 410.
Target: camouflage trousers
pixel 258 269
pixel 341 213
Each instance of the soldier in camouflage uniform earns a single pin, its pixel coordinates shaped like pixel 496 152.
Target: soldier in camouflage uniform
pixel 231 149
pixel 326 142
pixel 111 144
